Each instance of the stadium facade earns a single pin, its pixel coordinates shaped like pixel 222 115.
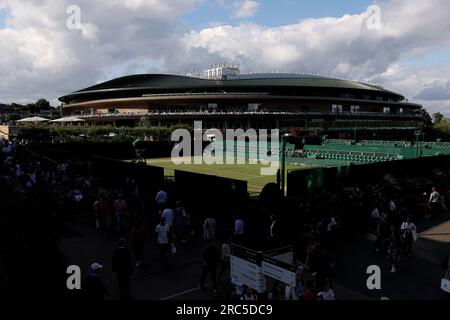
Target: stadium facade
pixel 223 98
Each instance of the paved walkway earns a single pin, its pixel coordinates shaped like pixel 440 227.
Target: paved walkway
pixel 420 280
pixel 152 280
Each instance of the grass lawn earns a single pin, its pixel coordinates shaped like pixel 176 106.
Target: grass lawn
pixel 248 172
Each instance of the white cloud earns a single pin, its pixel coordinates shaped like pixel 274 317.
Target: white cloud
pixel 342 46
pixel 245 8
pixel 41 57
pixel 424 84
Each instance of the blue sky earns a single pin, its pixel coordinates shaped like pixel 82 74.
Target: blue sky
pixel 3 14
pixel 274 13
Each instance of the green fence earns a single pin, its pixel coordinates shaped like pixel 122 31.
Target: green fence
pixel 114 172
pixel 303 183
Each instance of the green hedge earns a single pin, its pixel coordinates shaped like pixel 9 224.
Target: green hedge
pixel 45 133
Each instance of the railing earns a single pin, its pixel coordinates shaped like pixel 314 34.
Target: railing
pixel 231 112
pixel 381 143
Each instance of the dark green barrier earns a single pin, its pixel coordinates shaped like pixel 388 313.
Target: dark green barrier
pixel 301 184
pixel 116 150
pixel 212 195
pixel 114 172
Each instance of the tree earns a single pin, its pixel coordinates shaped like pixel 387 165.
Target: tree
pixel 31 107
pixel 13 117
pixel 17 106
pixel 438 117
pixel 144 122
pixel 443 128
pixel 42 104
pixel 426 118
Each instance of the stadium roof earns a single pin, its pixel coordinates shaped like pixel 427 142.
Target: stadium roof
pixel 161 82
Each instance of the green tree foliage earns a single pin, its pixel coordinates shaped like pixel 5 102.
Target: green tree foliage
pixel 13 117
pixel 42 104
pixel 144 122
pixel 45 133
pixel 438 117
pixel 443 128
pixel 426 118
pixel 35 107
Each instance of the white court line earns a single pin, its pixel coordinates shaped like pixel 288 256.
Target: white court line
pixel 180 294
pixel 183 293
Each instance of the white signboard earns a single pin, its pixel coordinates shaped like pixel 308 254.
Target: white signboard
pixel 247 273
pixel 278 273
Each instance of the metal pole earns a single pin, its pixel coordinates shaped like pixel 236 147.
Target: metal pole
pixel 283 165
pixel 417 144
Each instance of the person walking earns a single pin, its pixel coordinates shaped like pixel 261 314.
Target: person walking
pixel 94 287
pixel 120 207
pixel 103 214
pixel 168 216
pixel 209 229
pixel 137 236
pixel 409 235
pixel 161 200
pixel 123 267
pixel 162 239
pixel 180 214
pixel 239 230
pixel 224 259
pixel 435 202
pixel 210 260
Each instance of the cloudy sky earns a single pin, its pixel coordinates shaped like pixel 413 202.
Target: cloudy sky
pixel 45 53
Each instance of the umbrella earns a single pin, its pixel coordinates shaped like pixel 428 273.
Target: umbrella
pixel 68 119
pixel 33 119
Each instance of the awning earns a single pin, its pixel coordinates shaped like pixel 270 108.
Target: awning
pixel 33 119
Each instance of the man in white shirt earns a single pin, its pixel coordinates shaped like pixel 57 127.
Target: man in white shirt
pixel 435 202
pixel 434 196
pixel 162 232
pixel 409 235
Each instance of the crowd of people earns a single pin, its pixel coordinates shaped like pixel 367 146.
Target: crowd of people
pixel 35 194
pixel 136 216
pixel 396 232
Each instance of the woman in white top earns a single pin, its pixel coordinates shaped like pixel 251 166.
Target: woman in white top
pixel 409 235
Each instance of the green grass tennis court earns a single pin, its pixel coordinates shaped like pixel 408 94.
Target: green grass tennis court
pixel 248 172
